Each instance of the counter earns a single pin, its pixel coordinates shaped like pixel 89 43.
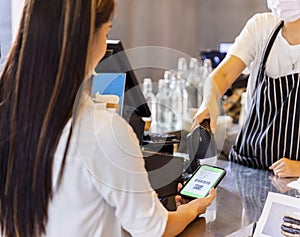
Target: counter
pixel 240 198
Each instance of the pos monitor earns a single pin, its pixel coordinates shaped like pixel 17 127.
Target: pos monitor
pixel 134 105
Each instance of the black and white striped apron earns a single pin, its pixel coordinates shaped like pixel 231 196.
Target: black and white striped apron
pixel 271 129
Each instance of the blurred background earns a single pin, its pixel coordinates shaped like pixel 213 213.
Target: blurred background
pixel 187 26
pixel 184 25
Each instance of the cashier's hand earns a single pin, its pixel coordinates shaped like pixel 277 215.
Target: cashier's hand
pixel 209 107
pixel 199 205
pixel 201 114
pixel 204 112
pixel 286 168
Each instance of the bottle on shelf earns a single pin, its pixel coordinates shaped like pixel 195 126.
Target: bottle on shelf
pixel 181 85
pixel 151 100
pixel 182 77
pixel 204 71
pixel 167 79
pixel 182 66
pixel 176 107
pixel 207 64
pixel 191 84
pixel 163 106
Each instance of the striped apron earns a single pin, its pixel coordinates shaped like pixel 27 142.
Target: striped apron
pixel 271 129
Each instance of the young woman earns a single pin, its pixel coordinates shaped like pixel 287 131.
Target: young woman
pixel 269 45
pixel 63 174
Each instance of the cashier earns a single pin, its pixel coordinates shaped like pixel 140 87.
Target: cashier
pixel 269 45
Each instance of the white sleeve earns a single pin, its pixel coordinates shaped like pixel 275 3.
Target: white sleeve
pixel 244 46
pixel 140 214
pixel 118 172
pixel 248 46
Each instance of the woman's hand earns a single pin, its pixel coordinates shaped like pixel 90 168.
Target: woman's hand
pixel 198 205
pixel 286 168
pixel 186 212
pixel 178 199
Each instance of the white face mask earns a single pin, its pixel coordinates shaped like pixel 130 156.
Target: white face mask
pixel 286 10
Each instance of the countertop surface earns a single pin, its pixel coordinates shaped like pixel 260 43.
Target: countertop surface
pixel 240 198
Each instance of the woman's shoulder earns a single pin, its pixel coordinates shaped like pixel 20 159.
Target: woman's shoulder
pixel 107 120
pixel 110 126
pixel 95 118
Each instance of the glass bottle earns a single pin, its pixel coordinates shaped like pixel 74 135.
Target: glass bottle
pixel 150 98
pixel 191 84
pixel 163 106
pixel 175 105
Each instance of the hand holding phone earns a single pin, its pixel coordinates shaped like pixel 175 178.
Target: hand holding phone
pixel 202 181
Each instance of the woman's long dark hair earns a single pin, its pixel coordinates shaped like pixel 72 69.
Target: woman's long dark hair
pixel 39 82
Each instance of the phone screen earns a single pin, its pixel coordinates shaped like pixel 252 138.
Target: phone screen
pixel 203 180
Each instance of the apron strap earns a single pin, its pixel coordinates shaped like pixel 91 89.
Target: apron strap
pixel 266 52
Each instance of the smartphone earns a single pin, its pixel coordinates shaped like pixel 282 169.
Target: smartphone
pixel 202 181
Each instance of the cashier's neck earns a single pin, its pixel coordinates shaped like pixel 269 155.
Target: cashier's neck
pixel 291 32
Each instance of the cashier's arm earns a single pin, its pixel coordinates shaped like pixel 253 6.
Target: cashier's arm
pixel 227 72
pixel 220 81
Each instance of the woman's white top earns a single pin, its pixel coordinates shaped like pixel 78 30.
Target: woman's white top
pixel 105 189
pixel 250 44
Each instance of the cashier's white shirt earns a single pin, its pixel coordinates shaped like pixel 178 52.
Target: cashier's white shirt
pixel 250 44
pixel 105 188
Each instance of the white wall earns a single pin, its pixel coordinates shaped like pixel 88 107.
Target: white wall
pixel 5 29
pixel 185 25
pixel 10 11
pixel 16 10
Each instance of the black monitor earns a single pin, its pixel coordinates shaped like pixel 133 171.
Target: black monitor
pixel 134 106
pixel 214 55
pixel 134 100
